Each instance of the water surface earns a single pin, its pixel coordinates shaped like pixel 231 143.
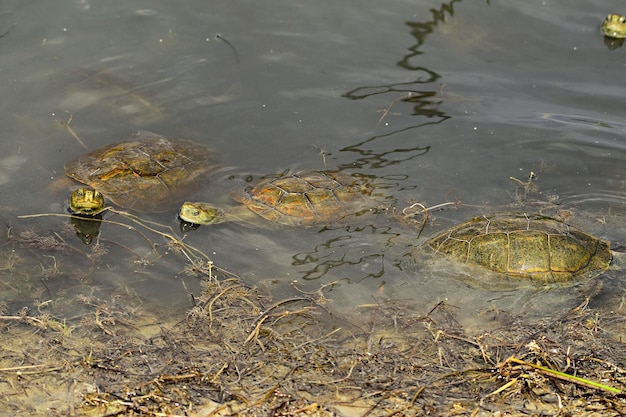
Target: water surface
pixel 437 102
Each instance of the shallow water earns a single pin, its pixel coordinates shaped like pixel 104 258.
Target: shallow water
pixel 438 102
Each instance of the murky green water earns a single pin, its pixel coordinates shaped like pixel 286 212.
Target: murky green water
pixel 439 102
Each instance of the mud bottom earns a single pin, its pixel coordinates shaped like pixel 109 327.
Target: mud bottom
pixel 238 352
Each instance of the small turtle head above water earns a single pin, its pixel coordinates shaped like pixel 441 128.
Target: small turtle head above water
pixel 200 213
pixel 86 202
pixel 614 26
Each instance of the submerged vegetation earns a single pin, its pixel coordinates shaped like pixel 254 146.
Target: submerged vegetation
pixel 239 352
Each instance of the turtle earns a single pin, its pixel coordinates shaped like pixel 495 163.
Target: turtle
pixel 145 174
pixel 614 26
pixel 86 206
pixel 294 199
pixel 526 247
pixel 86 202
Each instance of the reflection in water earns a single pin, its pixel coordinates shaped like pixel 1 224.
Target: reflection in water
pixel 424 107
pixel 425 101
pixel 378 159
pixel 348 256
pixel 87 228
pixel 421 30
pixel 422 99
pixel 379 152
pixel 613 43
pixel 412 94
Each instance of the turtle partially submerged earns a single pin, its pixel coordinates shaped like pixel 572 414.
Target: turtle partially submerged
pixel 144 174
pixel 614 26
pixel 293 199
pixel 534 247
pixel 86 202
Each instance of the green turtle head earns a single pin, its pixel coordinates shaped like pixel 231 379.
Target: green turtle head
pixel 86 202
pixel 199 213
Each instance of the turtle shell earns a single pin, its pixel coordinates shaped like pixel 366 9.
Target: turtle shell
pixel 307 198
pixel 544 249
pixel 145 174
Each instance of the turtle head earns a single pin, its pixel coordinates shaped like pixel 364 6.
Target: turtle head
pixel 86 202
pixel 200 213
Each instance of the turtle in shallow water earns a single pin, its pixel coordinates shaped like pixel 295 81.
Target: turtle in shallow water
pixel 86 206
pixel 614 26
pixel 144 174
pixel 86 202
pixel 541 249
pixel 293 199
